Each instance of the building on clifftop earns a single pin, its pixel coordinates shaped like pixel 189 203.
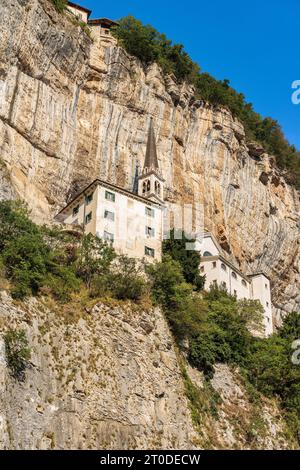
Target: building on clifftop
pixel 101 29
pixel 79 12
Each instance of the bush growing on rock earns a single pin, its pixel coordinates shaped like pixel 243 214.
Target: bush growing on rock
pixel 60 5
pixel 189 260
pixel 29 260
pixel 95 257
pixel 124 281
pixel 17 352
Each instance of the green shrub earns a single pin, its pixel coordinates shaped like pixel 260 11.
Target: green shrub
pixel 60 5
pixel 35 257
pixel 146 43
pixel 290 328
pixel 94 258
pixel 176 247
pixel 165 277
pixel 124 282
pixel 209 347
pixel 186 312
pixel 17 352
pixel 62 282
pixel 26 259
pixel 14 221
pixel 251 313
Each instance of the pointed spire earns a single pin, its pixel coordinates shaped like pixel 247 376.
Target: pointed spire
pixel 151 162
pixel 136 180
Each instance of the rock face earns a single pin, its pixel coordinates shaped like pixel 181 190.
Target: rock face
pixel 7 191
pixel 72 110
pixel 109 378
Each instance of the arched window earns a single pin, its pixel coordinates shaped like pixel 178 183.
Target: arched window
pixel 244 283
pixel 157 187
pixel 223 266
pixel 207 253
pixel 144 187
pixel 233 274
pixel 148 185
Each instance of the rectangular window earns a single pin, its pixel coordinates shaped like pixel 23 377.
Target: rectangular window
pixel 149 212
pixel 266 286
pixel 150 232
pixel 202 269
pixel 149 252
pixel 235 292
pixel 88 218
pixel 109 215
pixel 75 211
pixel 110 196
pixel 108 236
pixel 88 199
pixel 214 264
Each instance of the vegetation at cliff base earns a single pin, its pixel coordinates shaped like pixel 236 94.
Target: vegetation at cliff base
pixel 148 45
pixel 214 327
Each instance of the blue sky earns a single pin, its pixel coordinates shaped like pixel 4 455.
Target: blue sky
pixel 254 44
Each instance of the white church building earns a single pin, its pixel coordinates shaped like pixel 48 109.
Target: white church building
pixel 133 221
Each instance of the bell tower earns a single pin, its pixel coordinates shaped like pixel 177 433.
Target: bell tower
pixel 151 182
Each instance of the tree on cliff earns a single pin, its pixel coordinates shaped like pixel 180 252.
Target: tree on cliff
pixel 176 247
pixel 149 45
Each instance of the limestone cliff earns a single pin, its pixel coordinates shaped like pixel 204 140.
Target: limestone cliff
pixel 72 110
pixel 108 377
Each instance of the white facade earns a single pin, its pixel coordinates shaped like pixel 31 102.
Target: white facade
pixel 221 272
pixel 132 223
